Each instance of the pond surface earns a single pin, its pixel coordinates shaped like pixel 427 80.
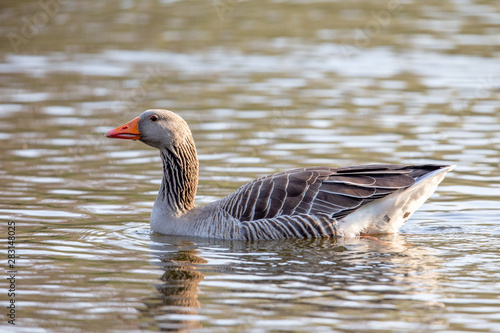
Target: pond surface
pixel 265 86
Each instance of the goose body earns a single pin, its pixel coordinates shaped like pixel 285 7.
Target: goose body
pixel 300 203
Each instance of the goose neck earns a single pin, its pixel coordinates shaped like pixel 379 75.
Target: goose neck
pixel 180 178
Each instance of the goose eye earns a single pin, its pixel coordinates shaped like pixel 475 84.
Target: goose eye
pixel 153 118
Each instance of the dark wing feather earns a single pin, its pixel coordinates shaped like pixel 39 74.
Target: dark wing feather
pixel 319 191
pixel 285 193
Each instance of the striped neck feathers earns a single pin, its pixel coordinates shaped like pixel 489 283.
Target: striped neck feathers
pixel 180 177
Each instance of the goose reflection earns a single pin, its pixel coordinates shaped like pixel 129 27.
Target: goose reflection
pixel 359 277
pixel 175 306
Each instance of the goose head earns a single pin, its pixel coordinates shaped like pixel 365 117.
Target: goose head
pixel 157 128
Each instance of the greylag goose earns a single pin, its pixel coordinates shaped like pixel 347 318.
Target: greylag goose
pixel 300 203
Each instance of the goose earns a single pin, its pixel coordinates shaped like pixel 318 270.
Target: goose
pixel 309 202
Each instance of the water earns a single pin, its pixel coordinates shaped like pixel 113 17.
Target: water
pixel 265 86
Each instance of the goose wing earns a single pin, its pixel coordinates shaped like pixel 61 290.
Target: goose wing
pixel 319 191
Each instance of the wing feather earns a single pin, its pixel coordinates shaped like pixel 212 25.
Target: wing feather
pixel 347 189
pixel 302 201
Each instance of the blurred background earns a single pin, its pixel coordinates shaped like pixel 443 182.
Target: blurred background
pixel 265 86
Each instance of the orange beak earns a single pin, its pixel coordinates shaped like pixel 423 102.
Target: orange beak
pixel 128 131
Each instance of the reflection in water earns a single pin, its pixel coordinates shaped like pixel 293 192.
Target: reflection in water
pixel 336 280
pixel 175 306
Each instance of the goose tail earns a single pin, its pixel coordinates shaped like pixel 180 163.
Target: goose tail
pixel 388 214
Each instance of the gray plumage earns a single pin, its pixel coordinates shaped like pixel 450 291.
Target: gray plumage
pixel 299 203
